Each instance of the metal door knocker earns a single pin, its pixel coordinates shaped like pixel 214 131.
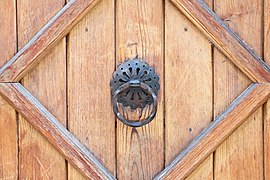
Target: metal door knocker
pixel 134 85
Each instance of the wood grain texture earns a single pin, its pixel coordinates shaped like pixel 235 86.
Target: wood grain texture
pixel 212 136
pixel 8 142
pixel 51 34
pixel 225 39
pixel 38 116
pixel 37 157
pixel 266 140
pixel 8 30
pixel 139 31
pixel 90 65
pixel 188 68
pixel 267 105
pixel 244 146
pixel 8 136
pixel 205 169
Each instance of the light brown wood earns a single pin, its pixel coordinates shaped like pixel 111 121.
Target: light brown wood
pixel 266 140
pixel 188 68
pixel 8 142
pixel 267 105
pixel 51 34
pixel 8 136
pixel 8 30
pixel 38 158
pixel 224 39
pixel 91 62
pixel 38 116
pixel 244 146
pixel 137 153
pixel 205 169
pixel 212 136
pixel 139 31
pixel 47 82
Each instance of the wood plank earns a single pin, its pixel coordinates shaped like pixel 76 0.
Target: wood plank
pixel 188 77
pixel 8 136
pixel 8 30
pixel 38 116
pixel 266 140
pixel 91 55
pixel 212 136
pixel 139 31
pixel 8 142
pixel 267 105
pixel 205 169
pixel 38 158
pixel 244 146
pixel 225 39
pixel 51 34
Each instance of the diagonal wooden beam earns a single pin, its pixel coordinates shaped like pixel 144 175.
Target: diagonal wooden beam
pixel 57 28
pixel 212 136
pixel 39 117
pixel 224 39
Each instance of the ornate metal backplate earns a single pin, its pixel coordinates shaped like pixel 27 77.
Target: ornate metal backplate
pixel 134 85
pixel 135 69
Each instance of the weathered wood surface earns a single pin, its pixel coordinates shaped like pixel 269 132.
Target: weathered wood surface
pixel 139 153
pixel 224 39
pixel 205 169
pixel 51 34
pixel 38 116
pixel 8 136
pixel 139 31
pixel 38 158
pixel 266 122
pixel 91 61
pixel 188 67
pixel 267 140
pixel 211 137
pixel 245 145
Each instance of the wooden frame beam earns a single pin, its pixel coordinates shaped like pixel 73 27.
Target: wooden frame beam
pixel 54 31
pixel 212 136
pixel 224 39
pixel 38 116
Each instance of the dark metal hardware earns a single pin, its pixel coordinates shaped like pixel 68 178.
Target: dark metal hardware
pixel 134 85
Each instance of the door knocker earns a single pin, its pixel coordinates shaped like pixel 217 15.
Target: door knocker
pixel 134 85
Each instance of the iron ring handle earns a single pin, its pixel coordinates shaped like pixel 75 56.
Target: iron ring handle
pixel 135 123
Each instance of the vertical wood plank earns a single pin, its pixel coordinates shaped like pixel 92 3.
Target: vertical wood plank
pixel 240 156
pixel 8 36
pixel 205 170
pixel 188 79
pixel 37 157
pixel 266 140
pixel 8 136
pixel 267 105
pixel 90 66
pixel 139 31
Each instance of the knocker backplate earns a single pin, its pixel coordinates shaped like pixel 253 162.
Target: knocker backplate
pixel 135 69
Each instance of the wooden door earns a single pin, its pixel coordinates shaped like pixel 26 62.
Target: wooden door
pixel 57 60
